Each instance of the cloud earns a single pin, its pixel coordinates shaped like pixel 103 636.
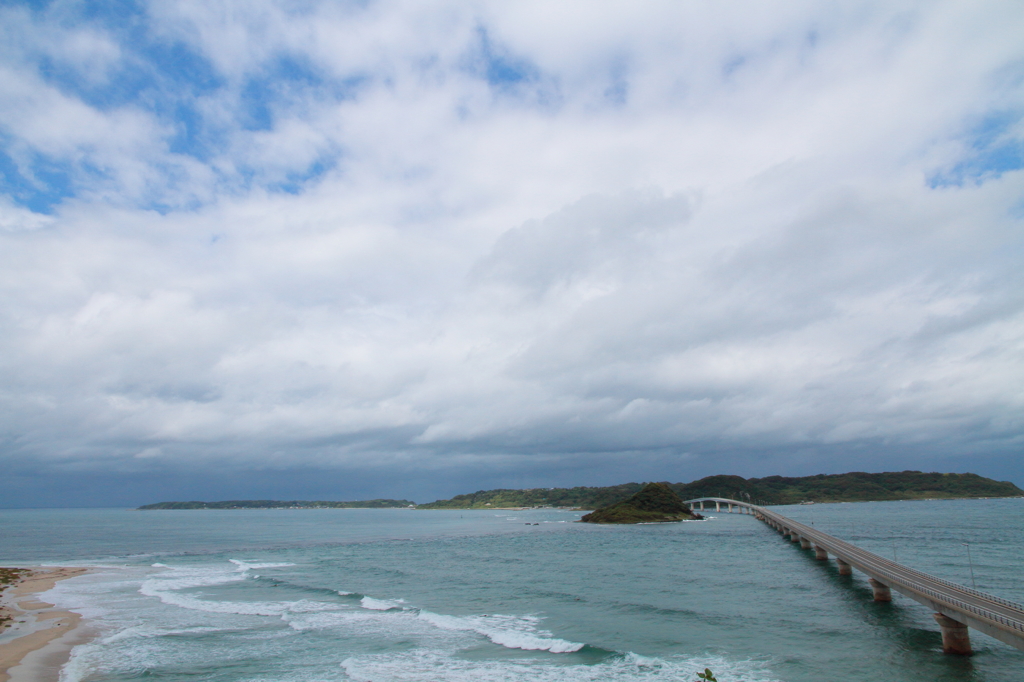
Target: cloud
pixel 489 239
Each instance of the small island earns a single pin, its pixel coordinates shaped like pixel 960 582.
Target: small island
pixel 655 503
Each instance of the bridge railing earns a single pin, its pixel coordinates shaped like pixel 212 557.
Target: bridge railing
pixel 919 584
pixel 879 565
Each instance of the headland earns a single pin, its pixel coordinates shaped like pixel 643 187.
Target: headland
pixel 850 487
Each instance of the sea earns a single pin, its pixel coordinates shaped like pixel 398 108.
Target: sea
pixel 374 595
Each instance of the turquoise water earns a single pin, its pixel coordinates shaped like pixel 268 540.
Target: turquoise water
pixel 527 595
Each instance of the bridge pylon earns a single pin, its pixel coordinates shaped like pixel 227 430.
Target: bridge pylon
pixel 955 637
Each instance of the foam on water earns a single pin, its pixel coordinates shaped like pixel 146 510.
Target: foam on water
pixel 168 587
pixel 147 634
pixel 515 605
pixel 511 632
pixel 379 604
pixel 249 565
pixel 430 666
pixel 176 586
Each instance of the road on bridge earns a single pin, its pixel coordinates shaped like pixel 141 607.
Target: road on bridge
pixel 956 607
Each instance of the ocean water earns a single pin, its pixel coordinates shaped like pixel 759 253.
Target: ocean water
pixel 481 596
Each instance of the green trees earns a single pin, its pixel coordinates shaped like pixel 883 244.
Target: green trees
pixel 656 503
pixel 850 487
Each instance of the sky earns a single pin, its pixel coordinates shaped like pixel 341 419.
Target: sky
pixel 347 250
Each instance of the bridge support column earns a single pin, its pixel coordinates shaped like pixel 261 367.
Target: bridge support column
pixel 955 639
pixel 844 568
pixel 793 537
pixel 880 590
pixel 718 506
pixel 820 554
pixel 805 543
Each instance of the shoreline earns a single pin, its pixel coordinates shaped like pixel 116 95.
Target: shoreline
pixel 47 633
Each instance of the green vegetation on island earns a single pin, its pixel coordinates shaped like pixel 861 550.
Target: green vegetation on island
pixel 851 487
pixel 8 578
pixel 655 503
pixel 279 504
pixel 580 497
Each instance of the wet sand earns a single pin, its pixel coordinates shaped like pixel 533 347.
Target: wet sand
pixel 39 654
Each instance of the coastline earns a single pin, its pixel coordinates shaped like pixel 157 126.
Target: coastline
pixel 47 634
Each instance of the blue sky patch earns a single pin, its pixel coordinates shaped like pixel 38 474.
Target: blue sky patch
pixel 176 83
pixel 514 77
pixel 295 182
pixel 191 137
pixel 39 185
pixel 991 151
pixel 167 79
pixel 498 67
pixel 151 74
pixel 255 105
pixel 286 82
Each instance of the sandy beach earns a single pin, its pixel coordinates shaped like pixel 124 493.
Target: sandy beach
pixel 49 633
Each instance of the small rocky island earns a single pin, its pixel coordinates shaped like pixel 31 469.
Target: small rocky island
pixel 655 503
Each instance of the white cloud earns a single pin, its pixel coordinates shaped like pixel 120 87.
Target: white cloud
pixel 738 250
pixel 16 219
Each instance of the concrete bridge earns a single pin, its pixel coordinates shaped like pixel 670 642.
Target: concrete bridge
pixel 955 607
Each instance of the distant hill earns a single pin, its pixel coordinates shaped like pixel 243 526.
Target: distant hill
pixel 279 504
pixel 587 498
pixel 655 503
pixel 851 487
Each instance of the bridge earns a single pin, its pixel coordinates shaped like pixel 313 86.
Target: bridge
pixel 955 607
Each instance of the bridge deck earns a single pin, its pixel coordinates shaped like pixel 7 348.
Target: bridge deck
pixel 986 613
